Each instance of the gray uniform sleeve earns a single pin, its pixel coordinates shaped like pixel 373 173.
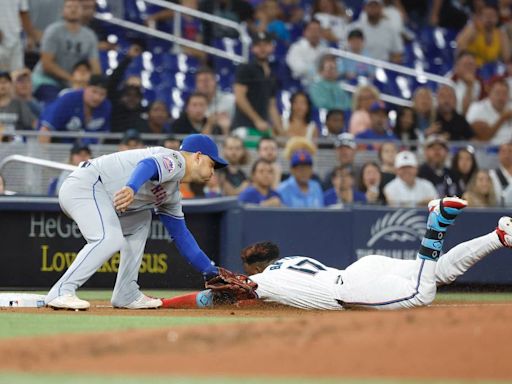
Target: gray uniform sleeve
pixel 171 167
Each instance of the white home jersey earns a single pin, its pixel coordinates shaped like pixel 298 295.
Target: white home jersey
pixel 164 194
pixel 300 282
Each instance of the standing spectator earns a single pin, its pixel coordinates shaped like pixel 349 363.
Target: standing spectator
pixel 387 154
pixel 193 118
pixel 304 55
pixel 86 110
pixel 491 117
pixel 15 114
pixel 260 192
pixel 343 192
pixel 480 192
pixel 434 169
pixel 464 165
pixel 326 92
pixel 406 126
pixel 64 43
pixel 255 92
pixel 351 69
pixel 502 175
pixel 158 118
pixel 371 184
pixel 79 152
pixel 332 18
pixel 221 105
pixel 379 128
pixel 300 123
pixel 383 41
pixel 408 190
pixel 364 97
pixel 268 150
pixel 14 18
pixel 23 90
pixel 423 105
pixel 448 14
pixel 334 123
pixel 451 124
pixel 300 190
pixel 484 39
pixel 345 154
pixel 469 87
pixel 232 178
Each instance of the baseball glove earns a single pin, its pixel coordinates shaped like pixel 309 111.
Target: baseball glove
pixel 232 287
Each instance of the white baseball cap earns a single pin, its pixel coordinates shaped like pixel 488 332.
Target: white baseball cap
pixel 405 159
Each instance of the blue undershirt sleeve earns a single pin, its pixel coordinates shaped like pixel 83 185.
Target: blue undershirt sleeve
pixel 145 170
pixel 187 246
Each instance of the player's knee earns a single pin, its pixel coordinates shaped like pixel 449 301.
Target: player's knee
pixel 113 242
pixel 426 295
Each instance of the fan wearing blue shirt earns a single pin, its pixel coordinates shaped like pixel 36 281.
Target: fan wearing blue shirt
pixel 300 190
pixel 85 110
pixel 379 130
pixel 260 191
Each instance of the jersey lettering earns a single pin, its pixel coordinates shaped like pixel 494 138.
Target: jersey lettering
pixel 307 266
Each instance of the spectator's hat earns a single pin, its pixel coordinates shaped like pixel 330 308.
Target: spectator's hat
pixel 80 147
pixel 356 32
pixel 345 139
pixel 5 75
pixel 374 1
pixel 205 145
pixel 262 37
pixel 18 73
pixel 301 157
pixel 436 139
pixel 99 81
pixel 131 134
pixel 378 106
pixel 405 159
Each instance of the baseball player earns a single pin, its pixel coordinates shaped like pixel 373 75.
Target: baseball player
pixel 111 199
pixel 374 281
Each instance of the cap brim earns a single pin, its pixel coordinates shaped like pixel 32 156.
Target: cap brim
pixel 219 162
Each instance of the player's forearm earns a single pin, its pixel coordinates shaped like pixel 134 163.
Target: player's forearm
pixel 146 170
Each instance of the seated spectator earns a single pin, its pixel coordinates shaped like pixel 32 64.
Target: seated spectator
pixel 387 154
pixel 334 123
pixel 491 118
pixel 300 190
pixel 158 118
pixel 268 150
pixel 131 140
pixel 300 123
pixel 464 165
pixel 484 38
pixel 406 189
pixel 351 69
pixel 221 105
pixel 423 106
pixel 80 76
pixel 326 92
pixel 451 124
pixel 268 17
pixel 86 110
pixel 434 169
pixel 64 43
pixel 22 80
pixel 343 192
pixel 364 97
pixel 406 127
pixel 379 129
pixel 260 192
pixel 15 114
pixel 345 154
pixel 333 19
pixel 79 153
pixel 193 118
pixel 304 55
pixel 371 183
pixel 171 142
pixel 383 41
pixel 469 87
pixel 502 175
pixel 232 178
pixel 480 192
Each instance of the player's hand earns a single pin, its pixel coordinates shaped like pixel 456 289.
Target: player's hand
pixel 123 198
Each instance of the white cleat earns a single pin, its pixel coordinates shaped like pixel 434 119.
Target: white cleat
pixel 504 231
pixel 144 302
pixel 455 202
pixel 69 301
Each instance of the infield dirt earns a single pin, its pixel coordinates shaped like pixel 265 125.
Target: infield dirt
pixel 466 341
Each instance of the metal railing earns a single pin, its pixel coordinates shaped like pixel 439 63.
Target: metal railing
pixel 36 161
pixel 176 36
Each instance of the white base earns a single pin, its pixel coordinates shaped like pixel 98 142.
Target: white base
pixel 21 300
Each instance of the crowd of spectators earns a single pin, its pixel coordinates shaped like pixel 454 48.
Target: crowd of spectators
pixel 51 79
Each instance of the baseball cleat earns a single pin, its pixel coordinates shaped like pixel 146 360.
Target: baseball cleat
pixel 444 211
pixel 144 302
pixel 504 231
pixel 69 301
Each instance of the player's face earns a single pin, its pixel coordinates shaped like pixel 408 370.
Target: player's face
pixel 268 150
pixel 263 175
pixel 94 96
pixel 204 168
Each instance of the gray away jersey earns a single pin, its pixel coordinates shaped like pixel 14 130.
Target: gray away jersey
pixel 164 194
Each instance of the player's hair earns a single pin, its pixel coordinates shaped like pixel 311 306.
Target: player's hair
pixel 263 252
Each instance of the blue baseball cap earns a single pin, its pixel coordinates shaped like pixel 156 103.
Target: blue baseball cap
pixel 205 145
pixel 301 157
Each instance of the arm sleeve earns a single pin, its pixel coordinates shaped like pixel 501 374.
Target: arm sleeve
pixel 145 170
pixel 187 245
pixel 55 116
